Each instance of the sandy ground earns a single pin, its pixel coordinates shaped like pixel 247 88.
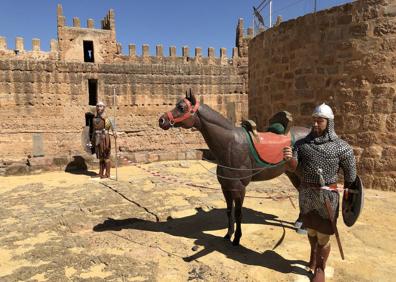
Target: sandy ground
pixel 153 225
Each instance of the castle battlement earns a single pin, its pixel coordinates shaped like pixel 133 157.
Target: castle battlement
pixel 19 52
pixel 159 57
pixel 99 45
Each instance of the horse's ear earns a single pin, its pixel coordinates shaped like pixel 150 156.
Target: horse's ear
pixel 187 96
pixel 191 97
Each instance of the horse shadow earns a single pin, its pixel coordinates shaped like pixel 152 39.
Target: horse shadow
pixel 196 227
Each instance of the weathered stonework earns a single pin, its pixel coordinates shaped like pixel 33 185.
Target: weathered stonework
pixel 46 94
pixel 344 56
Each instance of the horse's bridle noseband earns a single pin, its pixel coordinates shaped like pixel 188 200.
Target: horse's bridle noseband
pixel 190 112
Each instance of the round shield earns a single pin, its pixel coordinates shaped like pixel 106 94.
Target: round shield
pixel 352 202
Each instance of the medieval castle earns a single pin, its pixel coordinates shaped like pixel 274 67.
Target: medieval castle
pixel 344 56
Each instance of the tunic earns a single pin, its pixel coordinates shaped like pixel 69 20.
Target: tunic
pixel 327 153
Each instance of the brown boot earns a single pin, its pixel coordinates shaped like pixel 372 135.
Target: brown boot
pixel 108 166
pixel 321 258
pixel 101 168
pixel 313 241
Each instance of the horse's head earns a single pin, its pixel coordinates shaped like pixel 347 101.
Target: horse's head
pixel 183 115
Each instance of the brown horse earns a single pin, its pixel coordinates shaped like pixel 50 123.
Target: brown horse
pixel 236 166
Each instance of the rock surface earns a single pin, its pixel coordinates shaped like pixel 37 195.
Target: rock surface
pixel 165 222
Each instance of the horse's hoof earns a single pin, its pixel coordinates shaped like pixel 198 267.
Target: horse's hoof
pixel 235 242
pixel 227 237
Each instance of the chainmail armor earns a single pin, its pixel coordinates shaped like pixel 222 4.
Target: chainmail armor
pixel 329 153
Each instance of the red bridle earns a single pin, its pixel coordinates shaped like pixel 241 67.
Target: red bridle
pixel 190 112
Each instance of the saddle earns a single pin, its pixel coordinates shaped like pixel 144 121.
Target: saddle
pixel 267 147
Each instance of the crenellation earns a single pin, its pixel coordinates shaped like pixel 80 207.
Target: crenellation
pixel 132 50
pixel 223 53
pixel 145 50
pixel 109 21
pixel 76 22
pixel 172 51
pixel 60 18
pixel 59 10
pixel 198 52
pixel 185 52
pixel 36 44
pixel 3 43
pixel 211 52
pixel 118 48
pixel 159 51
pixel 54 45
pixel 235 52
pixel 90 23
pixel 19 44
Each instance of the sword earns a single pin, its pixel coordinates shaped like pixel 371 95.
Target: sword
pixel 331 213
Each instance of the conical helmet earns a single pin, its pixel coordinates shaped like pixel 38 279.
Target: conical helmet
pixel 323 111
pixel 100 103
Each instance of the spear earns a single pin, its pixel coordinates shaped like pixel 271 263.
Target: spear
pixel 114 128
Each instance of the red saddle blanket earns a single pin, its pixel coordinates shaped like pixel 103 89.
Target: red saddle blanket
pixel 269 146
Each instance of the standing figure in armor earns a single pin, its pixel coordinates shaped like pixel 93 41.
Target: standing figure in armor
pixel 316 159
pixel 101 139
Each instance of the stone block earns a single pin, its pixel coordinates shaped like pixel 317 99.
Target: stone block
pixel 181 155
pixel 16 169
pixel 367 165
pixel 38 147
pixel 167 156
pixel 141 157
pixel 373 122
pixel 344 19
pixel 384 183
pixel 382 106
pixel 191 155
pixel 374 151
pixel 365 139
pixel 391 122
pixel 153 157
pixel 359 30
pixel 301 83
pixel 40 162
pixel 390 10
pixel 60 161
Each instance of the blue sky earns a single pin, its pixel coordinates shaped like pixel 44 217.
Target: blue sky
pixel 205 23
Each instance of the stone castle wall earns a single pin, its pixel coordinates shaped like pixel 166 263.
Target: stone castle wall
pixel 344 56
pixel 44 96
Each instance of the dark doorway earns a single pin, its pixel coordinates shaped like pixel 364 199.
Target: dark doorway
pixel 89 123
pixel 88 51
pixel 93 91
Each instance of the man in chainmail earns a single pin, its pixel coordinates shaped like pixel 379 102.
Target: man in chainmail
pixel 316 159
pixel 101 139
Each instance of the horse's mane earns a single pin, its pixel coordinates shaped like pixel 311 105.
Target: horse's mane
pixel 212 116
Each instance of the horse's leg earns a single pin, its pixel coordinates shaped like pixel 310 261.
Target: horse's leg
pixel 238 197
pixel 228 198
